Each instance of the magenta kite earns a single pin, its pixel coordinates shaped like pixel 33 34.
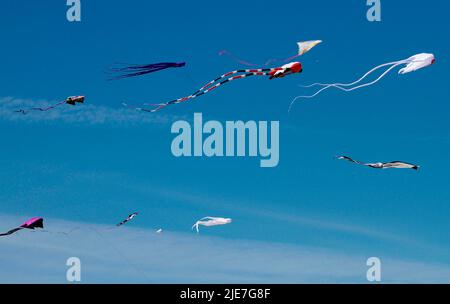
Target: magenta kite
pixel 33 223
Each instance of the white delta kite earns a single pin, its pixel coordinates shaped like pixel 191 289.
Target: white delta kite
pixel 306 46
pixel 211 221
pixel 393 164
pixel 412 64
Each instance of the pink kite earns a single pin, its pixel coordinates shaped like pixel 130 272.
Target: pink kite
pixel 33 223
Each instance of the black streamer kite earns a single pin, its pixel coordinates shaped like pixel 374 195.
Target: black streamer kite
pixel 133 70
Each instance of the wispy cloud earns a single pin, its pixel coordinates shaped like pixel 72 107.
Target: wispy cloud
pixel 81 114
pixel 143 191
pixel 152 189
pixel 317 223
pixel 136 255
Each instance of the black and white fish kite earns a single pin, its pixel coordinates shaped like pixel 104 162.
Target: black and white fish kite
pixel 129 218
pixel 393 164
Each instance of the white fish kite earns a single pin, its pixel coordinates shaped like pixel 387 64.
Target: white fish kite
pixel 393 164
pixel 412 64
pixel 303 47
pixel 129 218
pixel 211 221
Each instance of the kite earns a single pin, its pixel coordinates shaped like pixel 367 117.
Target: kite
pixel 72 100
pixel 159 231
pixel 129 218
pixel 393 164
pixel 211 221
pixel 303 47
pixel 133 70
pixel 33 223
pixel 279 72
pixel 412 64
pixel 306 46
pixel 97 230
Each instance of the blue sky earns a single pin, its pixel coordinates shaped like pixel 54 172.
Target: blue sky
pixel 95 164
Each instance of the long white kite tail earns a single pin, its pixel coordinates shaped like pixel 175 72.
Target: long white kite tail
pixel 352 83
pixel 370 83
pixel 196 226
pixel 342 86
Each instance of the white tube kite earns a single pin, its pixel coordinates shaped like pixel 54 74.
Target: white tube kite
pixel 211 221
pixel 413 63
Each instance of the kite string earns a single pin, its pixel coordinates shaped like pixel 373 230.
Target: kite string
pixel 282 60
pixel 233 57
pixel 103 238
pixel 243 62
pixel 119 252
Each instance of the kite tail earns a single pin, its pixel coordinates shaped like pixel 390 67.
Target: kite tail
pixel 370 83
pixel 133 70
pixel 357 81
pixel 341 87
pixel 25 111
pixel 157 107
pixel 196 227
pixel 209 87
pixel 221 77
pixel 349 159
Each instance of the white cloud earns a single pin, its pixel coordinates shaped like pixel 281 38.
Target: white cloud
pixel 126 255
